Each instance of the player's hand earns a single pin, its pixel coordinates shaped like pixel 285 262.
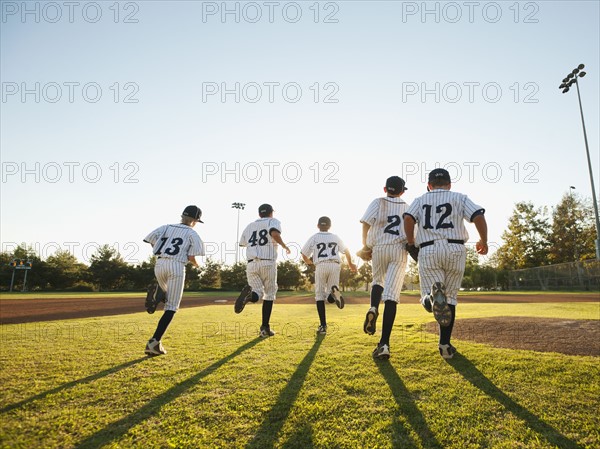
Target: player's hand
pixel 287 250
pixel 365 253
pixel 352 267
pixel 481 248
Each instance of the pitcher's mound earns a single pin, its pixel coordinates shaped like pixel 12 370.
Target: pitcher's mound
pixel 572 337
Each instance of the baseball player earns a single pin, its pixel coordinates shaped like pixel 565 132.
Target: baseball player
pixel 382 231
pixel 261 239
pixel 174 246
pixel 439 216
pixel 323 250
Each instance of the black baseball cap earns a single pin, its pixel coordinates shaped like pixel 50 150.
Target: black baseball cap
pixel 265 209
pixel 395 185
pixel 325 221
pixel 439 176
pixel 193 212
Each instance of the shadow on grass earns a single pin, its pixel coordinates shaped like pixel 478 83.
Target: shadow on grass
pixel 401 437
pixel 72 384
pixel 301 438
pixel 470 372
pixel 121 427
pixel 266 435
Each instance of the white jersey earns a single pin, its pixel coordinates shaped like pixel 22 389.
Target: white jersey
pixel 258 241
pixel 384 215
pixel 175 242
pixel 440 214
pixel 324 246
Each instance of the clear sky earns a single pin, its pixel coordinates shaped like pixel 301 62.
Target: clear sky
pixel 115 116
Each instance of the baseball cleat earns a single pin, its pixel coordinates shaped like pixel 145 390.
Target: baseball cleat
pixel 155 347
pixel 322 330
pixel 447 351
pixel 337 296
pixel 154 297
pixel 441 310
pixel 265 331
pixel 426 303
pixel 382 352
pixel 370 321
pixel 243 299
pixel 330 299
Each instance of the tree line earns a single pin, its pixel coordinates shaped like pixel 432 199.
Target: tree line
pixel 537 236
pixel 534 237
pixel 108 271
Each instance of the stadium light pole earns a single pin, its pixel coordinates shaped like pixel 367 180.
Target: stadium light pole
pixel 567 82
pixel 238 206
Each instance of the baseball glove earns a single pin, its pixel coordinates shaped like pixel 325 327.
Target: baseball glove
pixel 365 253
pixel 413 251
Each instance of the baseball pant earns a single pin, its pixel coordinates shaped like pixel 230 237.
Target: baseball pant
pixel 170 275
pixel 389 269
pixel 442 262
pixel 262 277
pixel 327 274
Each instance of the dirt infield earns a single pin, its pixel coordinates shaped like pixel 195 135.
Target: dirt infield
pixel 576 337
pixel 573 337
pixel 13 311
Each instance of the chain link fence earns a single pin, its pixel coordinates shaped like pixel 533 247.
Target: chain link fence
pixel 564 276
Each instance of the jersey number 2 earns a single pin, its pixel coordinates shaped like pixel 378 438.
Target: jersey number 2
pixel 394 222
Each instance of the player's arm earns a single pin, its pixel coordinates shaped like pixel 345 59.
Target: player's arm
pixel 307 260
pixel 349 259
pixel 409 228
pixel 153 236
pixel 276 235
pixel 481 225
pixel 243 238
pixel 365 231
pixel 196 248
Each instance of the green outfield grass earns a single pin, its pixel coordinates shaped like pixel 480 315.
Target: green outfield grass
pixel 86 383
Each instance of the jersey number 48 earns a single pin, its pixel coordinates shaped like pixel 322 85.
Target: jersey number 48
pixel 260 239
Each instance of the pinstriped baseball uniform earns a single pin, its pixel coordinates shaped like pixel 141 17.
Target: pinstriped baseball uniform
pixel 440 216
pixel 261 252
pixel 386 236
pixel 325 248
pixel 172 244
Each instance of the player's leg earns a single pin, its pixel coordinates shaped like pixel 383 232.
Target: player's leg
pixel 394 280
pixel 430 272
pixel 455 267
pixel 447 351
pixel 396 270
pixel 455 257
pixel 379 266
pixel 320 295
pixel 251 292
pixel 333 282
pixel 268 274
pixel 156 293
pixel 171 274
pixel 382 351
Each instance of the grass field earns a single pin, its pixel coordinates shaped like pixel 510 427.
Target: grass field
pixel 86 383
